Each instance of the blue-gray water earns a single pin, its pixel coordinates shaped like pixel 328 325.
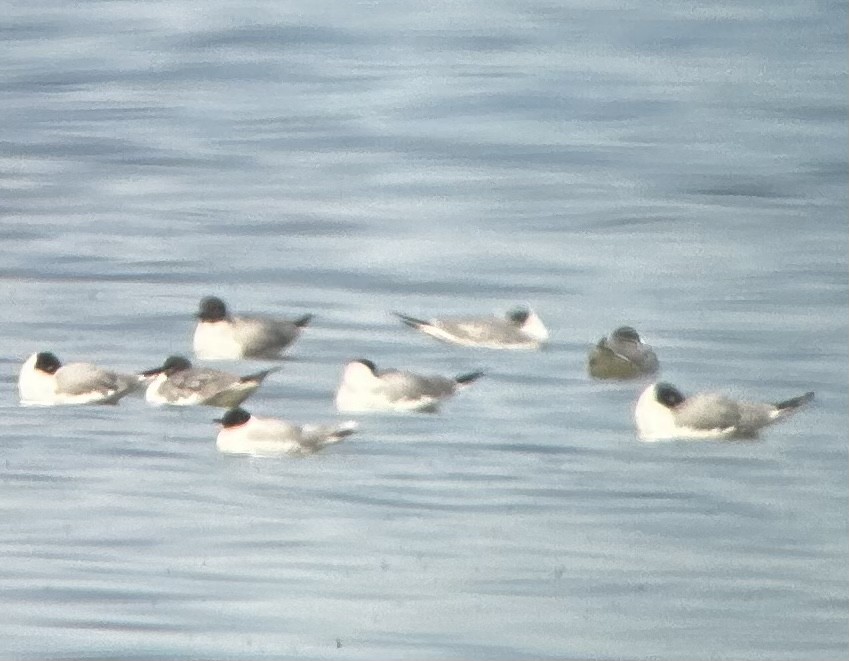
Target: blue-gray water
pixel 677 166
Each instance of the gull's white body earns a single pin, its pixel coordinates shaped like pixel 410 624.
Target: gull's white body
pixel 243 337
pixel 364 389
pixel 221 336
pixel 264 437
pixel 707 415
pixel 485 332
pixel 74 383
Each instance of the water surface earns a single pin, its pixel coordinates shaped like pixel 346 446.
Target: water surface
pixel 679 167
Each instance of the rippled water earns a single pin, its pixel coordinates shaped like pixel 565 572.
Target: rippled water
pixel 680 167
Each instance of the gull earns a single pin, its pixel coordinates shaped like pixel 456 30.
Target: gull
pixel 364 388
pixel 663 412
pixel 221 336
pixel 177 383
pixel 243 433
pixel 520 328
pixel 44 380
pixel 621 355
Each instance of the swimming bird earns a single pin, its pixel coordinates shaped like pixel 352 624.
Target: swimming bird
pixel 520 328
pixel 663 412
pixel 243 433
pixel 44 380
pixel 178 383
pixel 221 336
pixel 621 355
pixel 364 388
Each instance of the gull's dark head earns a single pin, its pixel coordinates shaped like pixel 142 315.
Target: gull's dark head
pixel 233 418
pixel 668 395
pixel 171 365
pixel 175 364
pixel 518 315
pixel 47 362
pixel 368 363
pixel 211 308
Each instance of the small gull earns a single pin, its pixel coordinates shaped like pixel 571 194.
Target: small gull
pixel 621 355
pixel 221 336
pixel 663 412
pixel 521 328
pixel 44 380
pixel 243 433
pixel 178 383
pixel 364 388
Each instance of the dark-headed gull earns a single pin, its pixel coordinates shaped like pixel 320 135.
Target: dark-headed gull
pixel 221 336
pixel 178 383
pixel 243 433
pixel 365 388
pixel 44 380
pixel 663 412
pixel 520 328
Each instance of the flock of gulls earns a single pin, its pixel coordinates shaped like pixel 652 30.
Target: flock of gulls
pixel 661 412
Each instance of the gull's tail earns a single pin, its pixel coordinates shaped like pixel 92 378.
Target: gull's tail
pixel 342 430
pixel 794 403
pixel 788 406
pixel 257 377
pixel 317 436
pixel 412 322
pixel 467 379
pixel 300 322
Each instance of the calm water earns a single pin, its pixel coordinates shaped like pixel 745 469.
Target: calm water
pixel 677 166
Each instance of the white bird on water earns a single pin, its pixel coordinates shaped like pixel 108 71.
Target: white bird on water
pixel 44 380
pixel 364 388
pixel 221 336
pixel 521 328
pixel 663 412
pixel 178 383
pixel 243 433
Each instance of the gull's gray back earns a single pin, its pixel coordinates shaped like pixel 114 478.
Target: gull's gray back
pixel 753 416
pixel 80 378
pixel 262 335
pixel 487 329
pixel 398 385
pixel 275 431
pixel 707 411
pixel 204 382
